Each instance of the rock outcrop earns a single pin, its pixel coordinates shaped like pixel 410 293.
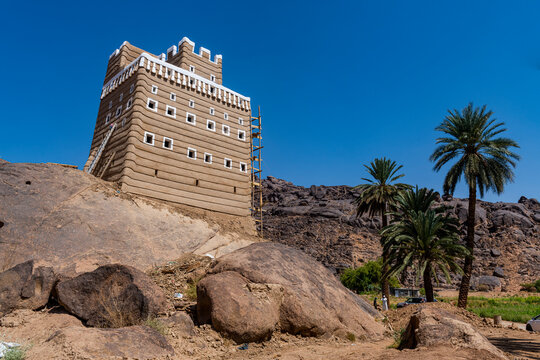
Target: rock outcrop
pixel 320 221
pixel 25 287
pixel 431 327
pixel 264 287
pixel 112 296
pixel 75 222
pixel 134 342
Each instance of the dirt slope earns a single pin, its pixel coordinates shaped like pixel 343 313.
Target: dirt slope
pixel 73 221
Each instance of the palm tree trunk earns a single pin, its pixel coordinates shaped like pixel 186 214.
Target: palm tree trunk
pixel 467 268
pixel 384 280
pixel 428 286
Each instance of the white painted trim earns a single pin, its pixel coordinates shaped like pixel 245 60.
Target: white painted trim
pixel 191 149
pixel 145 57
pixel 245 167
pixel 228 132
pixel 205 155
pixel 240 121
pixel 153 138
pixel 118 111
pixel 131 88
pixel 212 111
pixel 148 104
pixel 107 118
pixel 172 96
pixel 208 121
pixel 225 163
pixel 171 140
pixel 194 118
pixel 121 97
pixel 154 89
pixel 226 116
pixel 244 135
pixel 167 107
pixel 129 103
pixel 191 103
pixel 192 69
pixel 172 49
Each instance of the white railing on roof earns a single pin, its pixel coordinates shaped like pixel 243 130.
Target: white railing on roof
pixel 162 68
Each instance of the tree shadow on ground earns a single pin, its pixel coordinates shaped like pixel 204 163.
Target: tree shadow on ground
pixel 529 348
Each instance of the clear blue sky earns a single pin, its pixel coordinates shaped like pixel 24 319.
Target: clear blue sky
pixel 339 83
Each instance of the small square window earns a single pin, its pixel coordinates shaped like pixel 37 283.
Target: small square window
pixel 107 118
pixel 168 143
pixel 213 78
pixel 118 111
pixel 191 118
pixel 207 158
pixel 154 89
pixel 131 88
pixel 243 167
pixel 227 163
pixel 123 122
pixel 192 153
pixel 240 121
pixel 192 68
pixel 211 125
pixel 191 104
pixel 121 96
pixel 129 103
pixel 241 135
pixel 226 130
pixel 148 138
pixel 173 96
pixel 110 105
pixel 171 111
pixel 152 104
pixel 212 111
pixel 226 116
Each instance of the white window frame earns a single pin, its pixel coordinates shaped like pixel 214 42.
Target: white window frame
pixel 245 167
pixel 212 111
pixel 242 132
pixel 213 78
pixel 240 121
pixel 192 68
pixel 194 118
pixel 228 132
pixel 123 122
pixel 171 140
pixel 191 103
pixel 154 89
pixel 173 97
pixel 191 149
pixel 153 138
pixel 131 88
pixel 107 118
pixel 205 155
pixel 121 97
pixel 110 105
pixel 208 121
pixel 129 103
pixel 226 116
pixel 167 108
pixel 225 163
pixel 118 111
pixel 154 101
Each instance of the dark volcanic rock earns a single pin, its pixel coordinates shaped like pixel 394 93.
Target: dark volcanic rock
pixel 111 296
pixel 25 287
pixel 327 228
pixel 267 286
pixel 498 272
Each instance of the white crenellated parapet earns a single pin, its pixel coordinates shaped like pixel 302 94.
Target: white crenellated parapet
pixel 151 63
pixel 201 50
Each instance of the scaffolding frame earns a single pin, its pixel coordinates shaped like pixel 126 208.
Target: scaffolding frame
pixel 256 171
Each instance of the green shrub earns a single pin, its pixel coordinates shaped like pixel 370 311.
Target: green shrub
pixel 156 325
pixel 14 354
pixel 366 278
pixel 530 287
pixel 537 285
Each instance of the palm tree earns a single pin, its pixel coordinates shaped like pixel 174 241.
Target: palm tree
pixel 422 237
pixel 484 161
pixel 377 195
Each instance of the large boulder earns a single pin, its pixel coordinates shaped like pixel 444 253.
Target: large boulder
pixel 134 342
pixel 25 287
pixel 509 218
pixel 268 286
pixel 485 283
pixel 111 296
pixel 431 327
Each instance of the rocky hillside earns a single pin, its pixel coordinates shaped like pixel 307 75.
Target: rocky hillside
pixel 63 217
pixel 320 220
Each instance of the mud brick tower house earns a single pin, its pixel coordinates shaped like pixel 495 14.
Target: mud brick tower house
pixel 168 129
